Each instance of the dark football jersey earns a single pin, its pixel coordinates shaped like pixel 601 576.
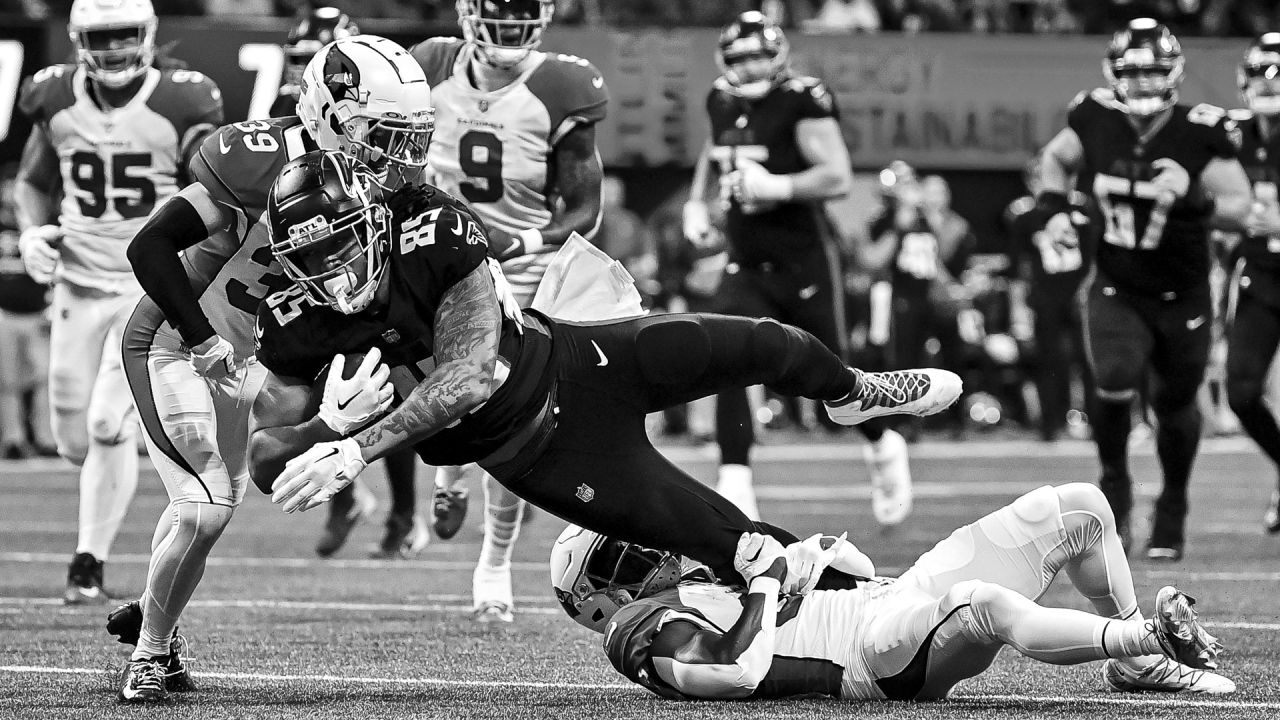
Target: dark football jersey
pixel 1260 157
pixel 1151 244
pixel 436 242
pixel 1054 270
pixel 764 130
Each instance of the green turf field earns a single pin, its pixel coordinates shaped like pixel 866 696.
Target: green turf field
pixel 277 633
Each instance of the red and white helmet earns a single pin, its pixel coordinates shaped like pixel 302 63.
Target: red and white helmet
pixel 115 40
pixel 367 97
pixel 593 576
pixel 504 32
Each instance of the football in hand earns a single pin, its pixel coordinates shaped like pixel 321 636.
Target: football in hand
pixel 351 364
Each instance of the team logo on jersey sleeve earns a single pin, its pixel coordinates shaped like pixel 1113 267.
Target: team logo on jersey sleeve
pixel 586 493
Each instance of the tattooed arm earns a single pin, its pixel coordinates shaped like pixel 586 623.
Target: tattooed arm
pixel 468 326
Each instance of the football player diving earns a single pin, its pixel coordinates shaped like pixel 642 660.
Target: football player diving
pixel 777 149
pixel 915 637
pixel 205 263
pixel 553 410
pixel 516 139
pixel 1253 325
pixel 112 134
pixel 1162 174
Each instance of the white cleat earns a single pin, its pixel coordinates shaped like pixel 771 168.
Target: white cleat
pixel 1164 675
pixel 902 392
pixel 890 478
pixel 493 612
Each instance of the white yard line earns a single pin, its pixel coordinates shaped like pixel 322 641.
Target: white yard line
pixel 1138 701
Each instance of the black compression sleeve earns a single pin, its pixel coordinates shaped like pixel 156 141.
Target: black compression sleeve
pixel 153 253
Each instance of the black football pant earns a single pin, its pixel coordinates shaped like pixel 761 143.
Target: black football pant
pixel 1253 335
pixel 805 293
pixel 1128 333
pixel 599 469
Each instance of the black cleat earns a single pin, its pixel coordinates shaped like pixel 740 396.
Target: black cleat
pixel 125 624
pixel 405 537
pixel 448 511
pixel 142 681
pixel 84 582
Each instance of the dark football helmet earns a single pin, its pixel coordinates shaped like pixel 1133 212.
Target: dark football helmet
pixel 594 576
pixel 752 54
pixel 504 32
pixel 1144 67
pixel 1258 75
pixel 329 229
pixel 313 30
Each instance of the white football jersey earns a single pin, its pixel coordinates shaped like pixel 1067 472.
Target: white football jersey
pixel 493 149
pixel 118 164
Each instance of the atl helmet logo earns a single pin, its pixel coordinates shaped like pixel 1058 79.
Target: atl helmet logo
pixel 309 228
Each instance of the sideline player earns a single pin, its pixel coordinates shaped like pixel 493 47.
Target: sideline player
pixel 1254 323
pixel 1161 173
pixel 553 410
pixel 776 146
pixel 516 139
pixel 205 261
pixel 112 135
pixel 910 638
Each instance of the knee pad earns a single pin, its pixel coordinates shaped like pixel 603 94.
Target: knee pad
pixel 673 351
pixel 1084 497
pixel 1037 505
pixel 111 428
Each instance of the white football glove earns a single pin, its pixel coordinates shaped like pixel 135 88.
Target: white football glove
pixel 806 560
pixel 1172 177
pixel 349 404
pixel 696 219
pixel 315 476
pixel 39 247
pixel 753 185
pixel 214 358
pixel 756 556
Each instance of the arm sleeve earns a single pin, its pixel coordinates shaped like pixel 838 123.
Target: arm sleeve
pixel 153 253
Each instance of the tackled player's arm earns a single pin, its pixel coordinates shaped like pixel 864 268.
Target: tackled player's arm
pixel 35 193
pixel 279 428
pixel 1225 182
pixel 830 174
pixel 468 328
pixel 704 663
pixel 184 220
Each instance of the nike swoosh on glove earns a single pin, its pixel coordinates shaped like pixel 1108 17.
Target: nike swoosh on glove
pixel 351 403
pixel 315 476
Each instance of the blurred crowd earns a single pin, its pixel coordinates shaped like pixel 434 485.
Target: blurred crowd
pixel 1185 17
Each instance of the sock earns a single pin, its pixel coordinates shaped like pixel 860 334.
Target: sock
pixel 176 568
pixel 402 470
pixel 491 580
pixel 1111 428
pixel 1177 439
pixel 454 477
pixel 735 484
pixel 735 431
pixel 108 480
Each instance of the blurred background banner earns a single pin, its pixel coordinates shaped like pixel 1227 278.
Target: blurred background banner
pixel 945 101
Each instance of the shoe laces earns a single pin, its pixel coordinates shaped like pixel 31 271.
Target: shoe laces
pixel 147 674
pixel 1169 671
pixel 889 389
pixel 443 500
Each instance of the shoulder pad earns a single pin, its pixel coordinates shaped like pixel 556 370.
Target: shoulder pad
pixel 627 640
pixel 275 338
pixel 571 88
pixel 436 56
pixel 1206 114
pixel 186 99
pixel 800 83
pixel 238 162
pixel 47 92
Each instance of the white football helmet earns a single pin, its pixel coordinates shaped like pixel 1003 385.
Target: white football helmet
pixel 367 97
pixel 504 32
pixel 594 576
pixel 115 40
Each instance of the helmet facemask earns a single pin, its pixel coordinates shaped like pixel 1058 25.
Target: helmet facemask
pixel 115 56
pixel 751 68
pixel 1259 77
pixel 1145 89
pixel 613 574
pixel 504 31
pixel 339 262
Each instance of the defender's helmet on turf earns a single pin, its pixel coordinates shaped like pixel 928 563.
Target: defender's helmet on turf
pixel 504 32
pixel 1144 67
pixel 752 54
pixel 594 576
pixel 1258 75
pixel 367 97
pixel 313 30
pixel 329 229
pixel 115 40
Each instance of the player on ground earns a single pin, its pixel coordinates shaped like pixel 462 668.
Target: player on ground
pixel 910 638
pixel 553 410
pixel 777 150
pixel 1254 324
pixel 112 134
pixel 516 139
pixel 405 534
pixel 1161 173
pixel 206 263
